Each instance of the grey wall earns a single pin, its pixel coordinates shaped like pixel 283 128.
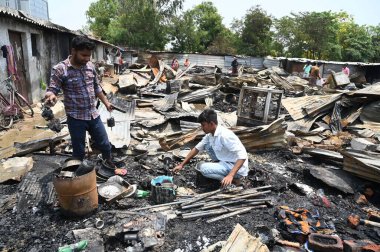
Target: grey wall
pixel 52 46
pixel 35 71
pixel 12 4
pixel 203 59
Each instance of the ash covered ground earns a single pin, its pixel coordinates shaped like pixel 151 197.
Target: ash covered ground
pixel 45 229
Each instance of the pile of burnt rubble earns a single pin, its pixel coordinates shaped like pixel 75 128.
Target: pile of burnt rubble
pixel 312 186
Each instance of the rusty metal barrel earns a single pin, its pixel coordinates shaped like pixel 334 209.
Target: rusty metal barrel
pixel 77 195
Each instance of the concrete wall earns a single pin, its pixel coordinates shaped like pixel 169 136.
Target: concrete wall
pixel 52 47
pixel 34 71
pixel 11 4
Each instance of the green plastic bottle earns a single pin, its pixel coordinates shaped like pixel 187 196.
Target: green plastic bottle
pixel 142 194
pixel 79 246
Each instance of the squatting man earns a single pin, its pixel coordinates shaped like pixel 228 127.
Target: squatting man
pixel 230 159
pixel 77 78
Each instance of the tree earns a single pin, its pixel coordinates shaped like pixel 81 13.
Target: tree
pixel 208 23
pixel 256 36
pixel 356 44
pixel 184 37
pixel 375 38
pixel 136 23
pixel 196 29
pixel 309 34
pixel 289 37
pixel 100 14
pixel 224 43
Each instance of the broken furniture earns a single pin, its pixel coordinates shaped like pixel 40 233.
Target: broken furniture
pixel 258 106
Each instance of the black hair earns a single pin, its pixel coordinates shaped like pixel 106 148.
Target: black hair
pixel 81 43
pixel 208 115
pixel 314 63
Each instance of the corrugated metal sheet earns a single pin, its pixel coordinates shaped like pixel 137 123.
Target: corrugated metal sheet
pixel 254 62
pixel 207 60
pixel 362 164
pixel 296 106
pixel 268 63
pixel 24 17
pixel 199 94
pixel 20 15
pixel 119 135
pixel 370 91
pixel 341 63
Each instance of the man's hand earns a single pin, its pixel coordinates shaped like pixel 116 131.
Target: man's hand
pixel 109 106
pixel 178 168
pixel 227 180
pixel 50 99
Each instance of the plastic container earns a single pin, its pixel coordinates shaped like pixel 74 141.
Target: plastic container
pixel 142 194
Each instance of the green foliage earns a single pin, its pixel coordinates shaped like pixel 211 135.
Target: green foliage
pixel 196 29
pixel 43 85
pixel 208 23
pixel 309 34
pixel 374 32
pixel 183 34
pixel 256 36
pixel 136 23
pixel 224 43
pixel 152 24
pixel 100 15
pixel 356 43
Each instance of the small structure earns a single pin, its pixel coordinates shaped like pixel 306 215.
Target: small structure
pixel 258 106
pixel 35 45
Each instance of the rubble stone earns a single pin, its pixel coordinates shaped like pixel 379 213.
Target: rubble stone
pixel 355 246
pixel 325 243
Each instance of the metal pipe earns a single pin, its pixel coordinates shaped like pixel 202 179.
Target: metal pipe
pixel 160 205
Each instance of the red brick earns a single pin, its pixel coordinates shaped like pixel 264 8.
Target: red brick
pixel 325 243
pixel 355 246
pixel 371 248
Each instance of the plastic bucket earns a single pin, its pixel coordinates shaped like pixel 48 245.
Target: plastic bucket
pixel 162 190
pixel 77 196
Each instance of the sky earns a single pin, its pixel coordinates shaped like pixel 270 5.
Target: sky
pixel 72 13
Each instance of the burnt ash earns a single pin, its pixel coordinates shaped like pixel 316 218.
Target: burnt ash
pixel 45 229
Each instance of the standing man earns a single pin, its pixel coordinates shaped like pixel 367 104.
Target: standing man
pixel 76 76
pixel 314 74
pixel 116 62
pixel 234 65
pixel 186 63
pixel 306 70
pixel 225 149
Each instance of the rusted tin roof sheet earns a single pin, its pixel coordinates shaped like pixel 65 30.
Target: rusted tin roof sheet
pixel 308 105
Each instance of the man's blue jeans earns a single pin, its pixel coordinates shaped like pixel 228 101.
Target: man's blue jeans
pixel 95 128
pixel 216 170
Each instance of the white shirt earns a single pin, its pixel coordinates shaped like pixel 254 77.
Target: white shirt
pixel 227 147
pixel 116 60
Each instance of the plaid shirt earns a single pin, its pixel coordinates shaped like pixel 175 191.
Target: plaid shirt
pixel 79 86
